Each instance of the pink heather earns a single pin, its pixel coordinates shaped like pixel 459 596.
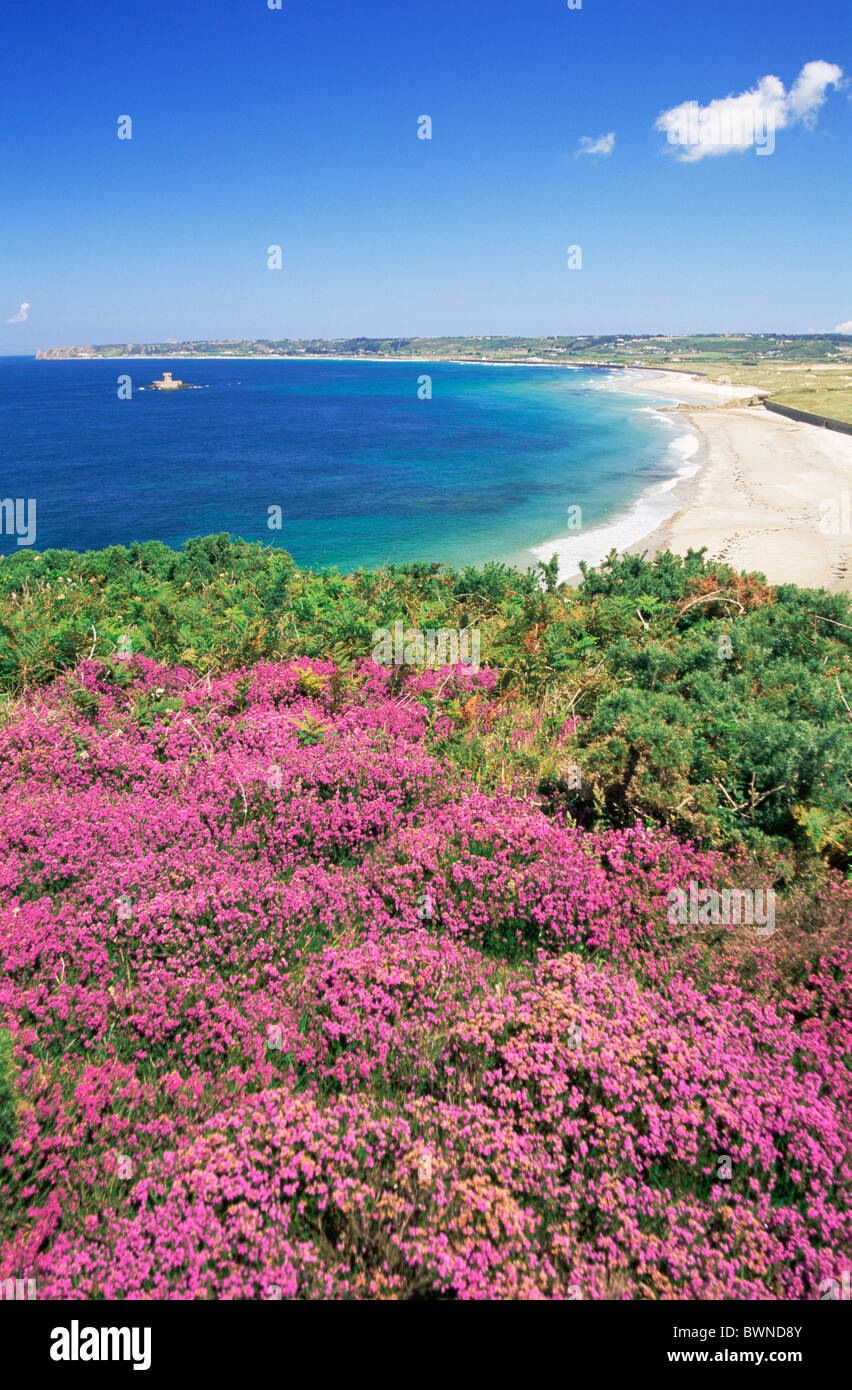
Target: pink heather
pixel 322 1088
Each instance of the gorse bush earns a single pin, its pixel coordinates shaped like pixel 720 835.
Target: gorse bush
pixel 703 699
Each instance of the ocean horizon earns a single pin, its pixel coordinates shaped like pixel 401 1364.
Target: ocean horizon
pixel 342 463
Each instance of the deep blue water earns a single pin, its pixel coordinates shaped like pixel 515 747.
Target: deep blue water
pixel 364 472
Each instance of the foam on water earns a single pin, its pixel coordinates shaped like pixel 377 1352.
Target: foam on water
pixel 625 529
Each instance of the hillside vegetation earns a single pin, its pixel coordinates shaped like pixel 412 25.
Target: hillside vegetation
pixel 699 698
pixel 322 978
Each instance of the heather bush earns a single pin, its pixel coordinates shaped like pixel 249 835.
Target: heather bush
pixel 303 1005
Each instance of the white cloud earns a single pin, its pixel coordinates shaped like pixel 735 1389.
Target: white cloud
pixel 21 316
pixel 843 327
pixel 808 92
pixel 596 145
pixel 749 120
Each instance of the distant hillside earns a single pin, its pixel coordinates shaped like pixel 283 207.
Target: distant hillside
pixel 813 372
pixel 709 351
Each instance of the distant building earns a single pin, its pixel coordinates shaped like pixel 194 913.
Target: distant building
pixel 168 383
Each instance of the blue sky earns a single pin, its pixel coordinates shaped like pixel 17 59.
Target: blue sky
pixel 298 127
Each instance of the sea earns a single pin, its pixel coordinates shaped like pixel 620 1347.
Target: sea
pixel 343 463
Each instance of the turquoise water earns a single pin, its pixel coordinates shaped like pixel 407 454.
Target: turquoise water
pixel 363 470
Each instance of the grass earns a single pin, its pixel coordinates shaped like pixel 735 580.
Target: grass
pixel 833 401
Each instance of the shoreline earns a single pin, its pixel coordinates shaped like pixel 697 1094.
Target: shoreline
pixel 769 494
pixel 684 455
pixel 758 491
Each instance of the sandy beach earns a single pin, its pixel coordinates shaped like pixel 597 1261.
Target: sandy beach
pixel 773 494
pixel 764 493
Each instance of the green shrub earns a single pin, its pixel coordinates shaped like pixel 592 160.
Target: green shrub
pixel 706 699
pixel 8 1115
